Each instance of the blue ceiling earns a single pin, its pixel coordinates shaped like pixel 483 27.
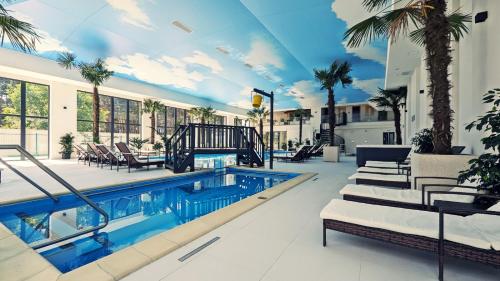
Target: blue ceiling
pixel 232 45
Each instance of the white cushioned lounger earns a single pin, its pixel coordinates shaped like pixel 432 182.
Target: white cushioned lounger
pixel 378 177
pixel 389 171
pixel 406 196
pixel 478 232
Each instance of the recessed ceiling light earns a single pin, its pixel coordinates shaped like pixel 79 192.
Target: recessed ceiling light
pixel 222 50
pixel 248 65
pixel 182 26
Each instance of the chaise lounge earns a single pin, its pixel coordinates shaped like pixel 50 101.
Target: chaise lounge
pixel 299 156
pixel 475 237
pixel 133 161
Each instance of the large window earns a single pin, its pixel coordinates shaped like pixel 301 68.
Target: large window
pixel 169 119
pixel 24 116
pixel 119 119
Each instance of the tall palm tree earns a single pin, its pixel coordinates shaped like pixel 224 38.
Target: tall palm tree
pixel 338 73
pixel 203 114
pixel 95 73
pixel 151 107
pixel 393 99
pixel 427 23
pixel 21 35
pixel 258 115
pixel 301 113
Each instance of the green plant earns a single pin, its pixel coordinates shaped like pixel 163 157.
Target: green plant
pixel 290 144
pixel 203 114
pixel 283 146
pixel 158 146
pixel 138 143
pixel 337 73
pixel 308 141
pixel 427 23
pixel 66 142
pixel 393 99
pixel 258 115
pixel 96 74
pixel 20 34
pixel 300 113
pixel 486 168
pixel 423 141
pixel 151 107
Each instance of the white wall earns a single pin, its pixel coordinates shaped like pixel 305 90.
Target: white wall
pixel 360 133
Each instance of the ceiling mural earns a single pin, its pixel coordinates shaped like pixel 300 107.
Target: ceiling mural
pixel 218 49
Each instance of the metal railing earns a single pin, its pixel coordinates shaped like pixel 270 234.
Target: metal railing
pixel 60 180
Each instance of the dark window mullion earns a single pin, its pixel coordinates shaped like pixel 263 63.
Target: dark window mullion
pixel 127 123
pixel 23 115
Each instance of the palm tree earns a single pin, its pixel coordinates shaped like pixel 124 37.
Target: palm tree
pixel 151 107
pixel 21 35
pixel 329 78
pixel 203 113
pixel 426 23
pixel 258 115
pixel 393 99
pixel 301 113
pixel 95 73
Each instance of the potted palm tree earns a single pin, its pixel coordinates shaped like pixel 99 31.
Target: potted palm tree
pixel 66 142
pixel 337 73
pixel 427 23
pixel 393 99
pixel 21 35
pixel 151 107
pixel 96 74
pixel 257 115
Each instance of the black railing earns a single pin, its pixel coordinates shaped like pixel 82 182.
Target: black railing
pixel 60 180
pixel 218 139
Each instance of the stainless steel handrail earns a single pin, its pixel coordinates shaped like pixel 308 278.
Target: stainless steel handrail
pixel 63 183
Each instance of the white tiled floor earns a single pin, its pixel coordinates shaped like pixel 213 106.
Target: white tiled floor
pixel 279 240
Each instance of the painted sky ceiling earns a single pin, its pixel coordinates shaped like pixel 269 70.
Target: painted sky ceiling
pixel 214 49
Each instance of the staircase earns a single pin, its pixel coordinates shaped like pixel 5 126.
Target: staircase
pixel 325 138
pixel 192 139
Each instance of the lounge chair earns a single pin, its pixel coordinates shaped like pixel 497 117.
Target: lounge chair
pixel 474 237
pixel 385 171
pixel 135 162
pixel 318 151
pixel 97 154
pixel 398 180
pixel 409 199
pixel 299 156
pixel 387 164
pixel 81 153
pixel 112 157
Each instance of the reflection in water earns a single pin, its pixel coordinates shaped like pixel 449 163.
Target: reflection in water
pixel 135 214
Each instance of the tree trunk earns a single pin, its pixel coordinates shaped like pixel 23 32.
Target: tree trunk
pixel 202 120
pixel 300 129
pixel 397 125
pixel 96 113
pixel 331 116
pixel 261 128
pixel 153 124
pixel 437 42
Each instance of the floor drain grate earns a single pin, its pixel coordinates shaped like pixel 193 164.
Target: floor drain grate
pixel 262 198
pixel 198 249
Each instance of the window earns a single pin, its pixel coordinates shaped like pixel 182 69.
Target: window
pixel 388 138
pixel 119 119
pixel 24 116
pixel 356 114
pixel 170 118
pixel 382 115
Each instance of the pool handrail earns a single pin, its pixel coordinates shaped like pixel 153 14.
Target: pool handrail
pixel 64 183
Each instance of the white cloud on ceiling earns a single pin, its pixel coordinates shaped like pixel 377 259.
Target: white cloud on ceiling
pixel 306 94
pixel 203 59
pixel 352 12
pixel 132 13
pixel 370 86
pixel 156 71
pixel 244 103
pixel 262 53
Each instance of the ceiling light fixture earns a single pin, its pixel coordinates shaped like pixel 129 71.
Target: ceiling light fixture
pixel 182 26
pixel 248 65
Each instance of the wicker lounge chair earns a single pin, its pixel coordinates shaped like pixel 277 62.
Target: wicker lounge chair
pixel 299 156
pixel 409 199
pixel 81 153
pixel 473 238
pixel 133 161
pixel 111 157
pixel 97 154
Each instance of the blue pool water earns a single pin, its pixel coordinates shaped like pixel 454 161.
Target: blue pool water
pixel 137 211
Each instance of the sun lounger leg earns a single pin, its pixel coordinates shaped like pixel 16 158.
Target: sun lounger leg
pixel 324 234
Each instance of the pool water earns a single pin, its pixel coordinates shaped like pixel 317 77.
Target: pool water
pixel 136 211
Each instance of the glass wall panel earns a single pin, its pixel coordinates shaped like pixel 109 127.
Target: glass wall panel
pixel 180 117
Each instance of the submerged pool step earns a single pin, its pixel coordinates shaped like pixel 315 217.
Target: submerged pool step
pixel 198 249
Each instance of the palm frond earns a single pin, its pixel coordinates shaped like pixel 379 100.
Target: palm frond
pixel 401 21
pixel 458 26
pixel 66 60
pixel 366 31
pixel 372 5
pixel 22 35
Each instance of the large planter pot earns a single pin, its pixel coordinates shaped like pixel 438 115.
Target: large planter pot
pixel 436 165
pixel 65 155
pixel 331 154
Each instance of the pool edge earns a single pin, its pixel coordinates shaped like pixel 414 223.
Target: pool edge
pixel 132 258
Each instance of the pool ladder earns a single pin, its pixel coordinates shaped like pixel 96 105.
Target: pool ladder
pixel 64 183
